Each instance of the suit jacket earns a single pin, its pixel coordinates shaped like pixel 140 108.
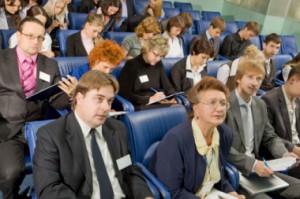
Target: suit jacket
pixel 130 8
pixel 75 47
pixel 3 19
pixel 181 168
pixel 14 110
pixel 87 6
pixel 279 115
pixel 263 134
pixel 269 81
pixel 61 164
pixel 178 76
pixel 204 36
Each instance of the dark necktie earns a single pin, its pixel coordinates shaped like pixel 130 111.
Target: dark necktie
pixel 106 191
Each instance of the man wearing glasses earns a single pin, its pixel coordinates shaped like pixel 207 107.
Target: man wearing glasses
pixel 23 71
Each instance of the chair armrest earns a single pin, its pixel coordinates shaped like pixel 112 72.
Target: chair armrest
pixel 261 92
pixel 279 82
pixel 162 189
pixel 233 174
pixel 122 104
pixel 153 189
pixel 185 102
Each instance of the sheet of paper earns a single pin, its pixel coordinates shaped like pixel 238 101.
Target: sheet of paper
pixel 116 113
pixel 169 96
pixel 216 194
pixel 281 164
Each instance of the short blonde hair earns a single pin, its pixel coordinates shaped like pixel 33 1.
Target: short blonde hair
pixel 148 25
pixel 94 19
pixel 252 53
pixel 157 42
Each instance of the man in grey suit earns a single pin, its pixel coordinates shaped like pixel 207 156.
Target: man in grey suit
pixel 248 119
pixel 216 28
pixel 22 72
pixel 85 154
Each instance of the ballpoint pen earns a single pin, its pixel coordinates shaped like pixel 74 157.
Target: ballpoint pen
pixel 153 89
pixel 265 162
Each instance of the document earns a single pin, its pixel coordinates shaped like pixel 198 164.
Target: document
pixel 216 194
pixel 44 94
pixel 282 164
pixel 167 97
pixel 116 113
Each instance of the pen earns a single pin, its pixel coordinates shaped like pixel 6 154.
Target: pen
pixel 265 162
pixel 153 89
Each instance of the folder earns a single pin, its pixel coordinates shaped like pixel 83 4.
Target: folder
pixel 45 93
pixel 167 97
pixel 282 164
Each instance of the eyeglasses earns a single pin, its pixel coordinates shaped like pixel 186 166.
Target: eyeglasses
pixel 157 55
pixel 213 104
pixel 32 37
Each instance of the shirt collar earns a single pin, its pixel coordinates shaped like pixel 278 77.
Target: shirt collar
pixel 84 36
pixel 23 57
pixel 208 35
pixel 189 65
pixel 287 100
pixel 85 128
pixel 241 100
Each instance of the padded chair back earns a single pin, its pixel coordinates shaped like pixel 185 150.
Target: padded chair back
pixel 168 64
pixel 186 42
pixel 183 5
pixel 231 27
pixel 6 34
pixel 213 67
pixel 76 20
pixel 167 4
pixel 257 42
pixel 289 45
pixel 76 4
pixel 117 36
pixel 171 12
pixel 281 59
pixel 147 128
pixel 62 36
pixel 222 37
pixel 67 64
pixel 202 25
pixel 119 23
pixel 117 71
pixel 209 15
pixel 241 24
pixel 196 14
pixel 139 9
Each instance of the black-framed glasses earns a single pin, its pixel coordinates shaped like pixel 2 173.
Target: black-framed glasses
pixel 32 37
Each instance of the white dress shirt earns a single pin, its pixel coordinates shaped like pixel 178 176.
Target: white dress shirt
pixel 176 49
pixel 191 74
pixel 225 72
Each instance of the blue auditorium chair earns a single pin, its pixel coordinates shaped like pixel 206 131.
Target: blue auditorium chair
pixel 168 64
pixel 6 34
pixel 231 27
pixel 76 20
pixel 289 45
pixel 76 4
pixel 186 41
pixel 139 9
pixel 117 36
pixel 67 64
pixel 202 25
pixel 257 42
pixel 62 36
pixel 183 5
pixel 171 12
pixel 167 4
pixel 210 15
pixel 280 60
pixel 241 24
pixel 119 23
pixel 213 67
pixel 196 14
pixel 222 37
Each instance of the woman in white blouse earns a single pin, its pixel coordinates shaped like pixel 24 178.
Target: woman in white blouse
pixel 286 68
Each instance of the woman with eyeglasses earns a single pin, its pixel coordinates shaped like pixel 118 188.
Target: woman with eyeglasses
pixel 9 14
pixel 39 13
pixel 143 79
pixel 190 160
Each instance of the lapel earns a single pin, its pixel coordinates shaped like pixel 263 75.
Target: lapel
pixel 76 142
pixel 41 67
pixel 284 112
pixel 256 115
pixel 80 47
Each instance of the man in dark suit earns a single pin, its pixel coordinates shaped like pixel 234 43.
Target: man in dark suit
pixel 22 72
pixel 85 154
pixel 216 28
pixel 247 117
pixel 271 47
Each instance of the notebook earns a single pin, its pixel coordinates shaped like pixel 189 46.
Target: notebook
pixel 254 184
pixel 44 94
pixel 167 97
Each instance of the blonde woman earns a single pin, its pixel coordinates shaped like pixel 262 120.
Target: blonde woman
pixel 154 8
pixel 132 44
pixel 82 42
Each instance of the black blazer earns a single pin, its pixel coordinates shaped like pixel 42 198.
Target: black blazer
pixel 14 110
pixel 87 6
pixel 75 47
pixel 130 8
pixel 61 164
pixel 269 81
pixel 279 116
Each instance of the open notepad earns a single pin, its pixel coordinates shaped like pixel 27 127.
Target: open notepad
pixel 216 194
pixel 282 164
pixel 167 97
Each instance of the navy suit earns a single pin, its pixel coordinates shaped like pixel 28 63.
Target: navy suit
pixel 181 168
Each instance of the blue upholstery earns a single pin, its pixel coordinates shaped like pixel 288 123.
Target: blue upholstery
pixel 119 23
pixel 196 14
pixel 67 64
pixel 209 15
pixel 241 24
pixel 167 4
pixel 186 42
pixel 281 59
pixel 183 5
pixel 6 34
pixel 141 3
pixel 213 67
pixel 221 39
pixel 289 45
pixel 76 20
pixel 202 25
pixel 62 36
pixel 257 42
pixel 168 64
pixel 117 36
pixel 231 27
pixel 76 4
pixel 171 12
pixel 139 9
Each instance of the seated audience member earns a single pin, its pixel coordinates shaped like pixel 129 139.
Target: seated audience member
pixel 154 8
pixel 143 79
pixel 82 42
pixel 88 6
pixel 175 27
pixel 188 71
pixel 271 47
pixel 193 153
pixel 227 72
pixel 128 8
pixel 130 23
pixel 39 13
pixel 26 5
pixel 132 44
pixel 70 7
pixel 286 68
pixel 9 14
pixel 89 144
pixel 212 34
pixel 105 56
pixel 110 12
pixel 187 18
pixel 28 72
pixel 283 106
pixel 247 117
pixel 234 44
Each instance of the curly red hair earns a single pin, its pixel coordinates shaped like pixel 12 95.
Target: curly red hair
pixel 106 51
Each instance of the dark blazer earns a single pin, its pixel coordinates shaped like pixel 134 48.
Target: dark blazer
pixel 181 168
pixel 86 6
pixel 75 47
pixel 130 23
pixel 178 76
pixel 61 164
pixel 269 81
pixel 130 8
pixel 204 36
pixel 279 116
pixel 263 134
pixel 14 110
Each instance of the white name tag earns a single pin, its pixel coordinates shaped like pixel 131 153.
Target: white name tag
pixel 144 78
pixel 124 162
pixel 44 76
pixel 190 75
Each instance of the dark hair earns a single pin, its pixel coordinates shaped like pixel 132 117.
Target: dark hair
pixel 273 37
pixel 13 18
pixel 252 26
pixel 202 46
pixel 29 19
pixel 187 18
pixel 115 3
pixel 295 71
pixel 218 22
pixel 177 22
pixel 26 2
pixel 11 2
pixel 36 10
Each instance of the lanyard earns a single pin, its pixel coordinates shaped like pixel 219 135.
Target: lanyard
pixel 208 165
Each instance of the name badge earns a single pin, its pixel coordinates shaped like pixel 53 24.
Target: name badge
pixel 124 162
pixel 207 188
pixel 190 75
pixel 144 78
pixel 44 76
